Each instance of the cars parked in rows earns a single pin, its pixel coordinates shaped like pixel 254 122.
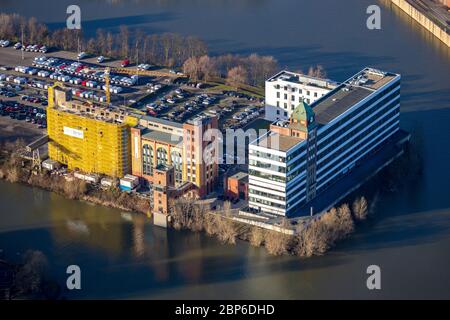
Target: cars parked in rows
pixel 19 111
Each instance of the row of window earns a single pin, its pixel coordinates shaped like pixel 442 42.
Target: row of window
pixel 300 98
pixel 359 117
pixel 359 153
pixel 364 106
pixel 356 132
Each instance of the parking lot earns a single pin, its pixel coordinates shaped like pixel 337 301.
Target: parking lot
pixel 169 98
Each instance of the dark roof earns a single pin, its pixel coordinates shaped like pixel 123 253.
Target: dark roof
pixel 337 102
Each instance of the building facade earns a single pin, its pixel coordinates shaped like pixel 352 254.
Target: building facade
pixel 183 146
pixel 298 159
pixel 236 186
pixel 87 137
pixel 285 90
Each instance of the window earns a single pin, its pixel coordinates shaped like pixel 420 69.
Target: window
pixel 147 159
pixel 278 94
pixel 285 96
pixel 293 98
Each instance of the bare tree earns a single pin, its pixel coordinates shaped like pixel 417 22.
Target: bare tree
pixel 236 76
pixel 346 225
pixel 360 209
pixel 256 236
pixel 30 276
pixel 206 67
pixel 317 72
pixel 276 243
pixel 191 68
pixel 109 44
pixel 124 35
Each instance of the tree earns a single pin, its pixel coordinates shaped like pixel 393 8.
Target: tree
pixel 360 209
pixel 124 35
pixel 30 276
pixel 317 72
pixel 346 224
pixel 256 236
pixel 191 68
pixel 276 243
pixel 206 67
pixel 236 76
pixel 109 44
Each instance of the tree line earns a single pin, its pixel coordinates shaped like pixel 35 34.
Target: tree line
pixel 314 237
pixel 252 70
pixel 168 49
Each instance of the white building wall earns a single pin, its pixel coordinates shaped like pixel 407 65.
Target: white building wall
pixel 282 96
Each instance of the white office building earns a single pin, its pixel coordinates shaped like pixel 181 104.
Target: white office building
pixel 299 158
pixel 285 90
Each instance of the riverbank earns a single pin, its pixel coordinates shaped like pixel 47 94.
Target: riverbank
pixel 312 236
pixel 432 16
pixel 316 236
pixel 14 169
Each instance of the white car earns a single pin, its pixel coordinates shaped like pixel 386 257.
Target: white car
pixel 100 59
pixel 43 49
pixel 82 55
pixel 143 66
pixel 17 46
pixel 4 43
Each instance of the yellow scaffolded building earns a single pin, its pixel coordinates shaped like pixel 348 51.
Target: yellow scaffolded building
pixel 88 138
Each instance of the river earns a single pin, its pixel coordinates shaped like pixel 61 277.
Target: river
pixel 123 256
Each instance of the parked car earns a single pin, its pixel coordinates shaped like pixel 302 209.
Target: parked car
pixel 17 46
pixel 125 63
pixel 82 55
pixel 4 43
pixel 100 59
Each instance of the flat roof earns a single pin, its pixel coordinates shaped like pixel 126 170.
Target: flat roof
pixel 349 93
pixel 163 121
pixel 338 101
pixel 239 175
pixel 276 141
pixel 164 137
pixel 299 78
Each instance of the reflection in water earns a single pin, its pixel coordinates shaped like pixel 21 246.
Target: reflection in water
pixel 77 227
pixel 418 30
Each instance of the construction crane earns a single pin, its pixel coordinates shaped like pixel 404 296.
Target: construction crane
pixel 137 72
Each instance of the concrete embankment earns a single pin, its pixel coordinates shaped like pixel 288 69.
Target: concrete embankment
pixel 427 17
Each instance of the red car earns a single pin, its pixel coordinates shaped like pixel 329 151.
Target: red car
pixel 151 112
pixel 125 63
